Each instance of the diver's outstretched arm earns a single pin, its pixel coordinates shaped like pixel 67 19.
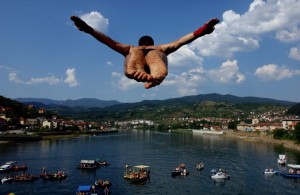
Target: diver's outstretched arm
pixel 118 47
pixel 207 28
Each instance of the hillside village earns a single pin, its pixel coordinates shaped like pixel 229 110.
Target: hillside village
pixel 264 122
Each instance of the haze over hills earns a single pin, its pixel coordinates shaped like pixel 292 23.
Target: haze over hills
pixel 84 102
pixel 92 102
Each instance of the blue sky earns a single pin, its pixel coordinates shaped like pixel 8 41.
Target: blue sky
pixel 254 50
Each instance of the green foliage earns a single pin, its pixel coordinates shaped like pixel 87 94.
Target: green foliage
pixel 294 110
pixel 283 134
pixel 297 132
pixel 279 133
pixel 15 110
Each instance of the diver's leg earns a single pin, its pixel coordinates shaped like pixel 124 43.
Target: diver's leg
pixel 157 62
pixel 134 66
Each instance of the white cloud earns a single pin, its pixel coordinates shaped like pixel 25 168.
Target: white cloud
pixel 273 72
pixel 13 77
pixel 187 83
pixel 71 77
pixel 96 20
pixel 238 33
pixel 183 57
pixel 109 63
pixel 228 73
pixel 116 74
pixel 294 53
pixel 50 80
pixel 123 83
pixel 192 81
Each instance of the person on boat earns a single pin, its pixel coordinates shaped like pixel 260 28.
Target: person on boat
pixel 146 62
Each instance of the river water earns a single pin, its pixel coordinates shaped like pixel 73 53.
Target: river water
pixel 244 161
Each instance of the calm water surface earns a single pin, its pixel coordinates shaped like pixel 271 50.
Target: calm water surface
pixel 244 161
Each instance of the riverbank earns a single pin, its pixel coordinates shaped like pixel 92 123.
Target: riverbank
pixel 51 135
pixel 261 137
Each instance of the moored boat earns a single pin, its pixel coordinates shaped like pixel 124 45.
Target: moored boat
pixel 88 165
pixel 6 179
pixel 220 174
pixel 19 167
pixel 5 168
pixel 102 184
pixel 180 171
pixel 293 171
pixel 60 175
pixel 137 174
pixel 270 171
pixel 25 177
pixel 91 189
pixel 101 162
pixel 12 166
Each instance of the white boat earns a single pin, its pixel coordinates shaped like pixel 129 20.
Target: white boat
pixel 270 172
pixel 5 168
pixel 282 159
pixel 208 132
pixel 6 179
pixel 221 174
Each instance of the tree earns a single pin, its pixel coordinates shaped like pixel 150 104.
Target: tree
pixel 297 132
pixel 278 133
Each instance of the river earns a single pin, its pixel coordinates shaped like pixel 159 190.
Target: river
pixel 244 161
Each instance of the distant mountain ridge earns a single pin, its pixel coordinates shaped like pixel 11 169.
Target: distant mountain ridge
pixel 96 103
pixel 83 102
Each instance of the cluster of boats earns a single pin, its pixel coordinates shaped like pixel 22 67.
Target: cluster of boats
pixel 216 174
pixel 100 187
pixel 10 168
pixel 292 170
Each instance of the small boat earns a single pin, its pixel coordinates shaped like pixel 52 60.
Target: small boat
pixel 91 189
pixel 102 184
pixel 221 174
pixel 270 171
pixel 282 160
pixel 19 167
pixel 102 162
pixel 6 179
pixel 180 171
pixel 5 168
pixel 25 177
pixel 60 175
pixel 88 165
pixel 293 171
pixel 137 174
pixel 200 166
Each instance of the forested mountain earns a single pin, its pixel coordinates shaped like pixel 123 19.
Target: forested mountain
pixel 198 106
pixel 208 105
pixel 15 110
pixel 294 110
